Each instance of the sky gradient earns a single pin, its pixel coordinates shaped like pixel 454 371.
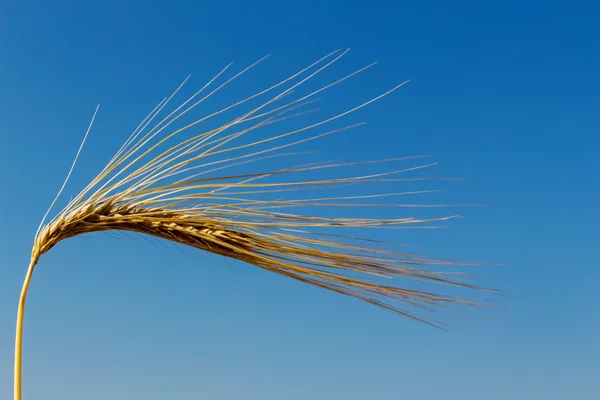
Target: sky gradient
pixel 506 95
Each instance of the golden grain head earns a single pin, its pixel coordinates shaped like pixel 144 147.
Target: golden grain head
pixel 175 187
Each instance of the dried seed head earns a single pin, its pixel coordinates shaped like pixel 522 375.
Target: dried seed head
pixel 172 187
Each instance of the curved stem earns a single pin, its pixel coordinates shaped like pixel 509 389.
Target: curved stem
pixel 19 334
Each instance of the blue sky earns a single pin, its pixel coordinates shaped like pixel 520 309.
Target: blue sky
pixel 506 93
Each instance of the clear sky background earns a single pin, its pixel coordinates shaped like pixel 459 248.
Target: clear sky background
pixel 506 93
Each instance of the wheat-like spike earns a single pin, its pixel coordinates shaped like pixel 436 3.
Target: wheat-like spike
pixel 166 187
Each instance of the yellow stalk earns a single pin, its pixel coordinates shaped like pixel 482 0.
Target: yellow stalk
pixel 19 334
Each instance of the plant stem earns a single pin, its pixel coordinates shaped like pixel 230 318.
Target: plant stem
pixel 19 335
